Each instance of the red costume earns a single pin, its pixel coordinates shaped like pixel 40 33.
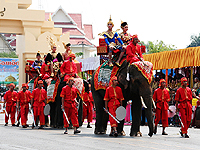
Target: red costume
pixel 113 96
pixel 24 98
pixel 11 99
pixel 184 97
pixel 131 51
pixel 68 68
pixel 45 69
pixel 162 98
pixel 87 110
pixel 69 94
pixel 39 96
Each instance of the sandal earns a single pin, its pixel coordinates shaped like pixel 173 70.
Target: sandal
pixel 115 134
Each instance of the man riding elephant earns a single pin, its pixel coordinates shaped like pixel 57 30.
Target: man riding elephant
pixel 137 89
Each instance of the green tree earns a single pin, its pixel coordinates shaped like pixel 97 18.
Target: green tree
pixel 195 41
pixel 79 54
pixel 8 55
pixel 158 46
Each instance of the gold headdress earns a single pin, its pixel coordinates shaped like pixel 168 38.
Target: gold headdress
pixel 110 21
pixel 123 24
pixel 51 42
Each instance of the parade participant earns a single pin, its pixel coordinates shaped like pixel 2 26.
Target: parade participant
pixel 24 97
pixel 68 51
pixel 45 69
pixel 161 97
pixel 109 37
pixel 39 97
pixel 37 63
pixel 53 55
pixel 113 99
pixel 133 49
pixel 10 99
pixel 69 94
pixel 183 97
pixel 69 68
pixel 88 106
pixel 125 37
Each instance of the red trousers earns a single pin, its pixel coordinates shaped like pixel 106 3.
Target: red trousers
pixel 87 111
pixel 18 115
pixel 24 115
pixel 72 114
pixel 161 113
pixel 39 111
pixel 184 120
pixel 112 110
pixel 11 110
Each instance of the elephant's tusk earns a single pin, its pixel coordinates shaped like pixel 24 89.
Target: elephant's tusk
pixel 143 102
pixel 154 105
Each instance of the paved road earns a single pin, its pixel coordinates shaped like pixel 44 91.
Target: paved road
pixel 14 138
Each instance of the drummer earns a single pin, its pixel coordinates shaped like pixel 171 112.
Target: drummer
pixel 161 97
pixel 113 99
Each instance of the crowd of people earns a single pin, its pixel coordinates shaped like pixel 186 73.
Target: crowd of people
pixel 62 66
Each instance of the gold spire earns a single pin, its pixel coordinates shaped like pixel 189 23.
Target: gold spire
pixel 49 17
pixel 110 21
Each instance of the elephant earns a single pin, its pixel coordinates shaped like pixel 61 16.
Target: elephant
pixel 141 92
pixel 56 114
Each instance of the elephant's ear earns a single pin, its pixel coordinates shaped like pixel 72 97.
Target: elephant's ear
pixel 121 75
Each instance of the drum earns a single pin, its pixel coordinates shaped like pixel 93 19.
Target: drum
pixel 120 113
pixel 47 110
pixel 173 109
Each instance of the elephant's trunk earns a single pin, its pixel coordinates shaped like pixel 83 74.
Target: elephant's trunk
pixel 154 105
pixel 143 102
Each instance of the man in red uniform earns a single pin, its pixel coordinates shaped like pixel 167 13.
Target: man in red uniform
pixel 45 69
pixel 88 106
pixel 69 94
pixel 161 97
pixel 133 49
pixel 24 97
pixel 113 99
pixel 69 68
pixel 39 98
pixel 183 97
pixel 10 99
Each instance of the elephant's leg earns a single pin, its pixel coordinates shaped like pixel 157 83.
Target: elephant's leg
pixel 105 119
pixel 136 116
pixel 121 124
pixel 148 113
pixel 101 122
pixel 146 94
pixel 52 113
pixel 80 112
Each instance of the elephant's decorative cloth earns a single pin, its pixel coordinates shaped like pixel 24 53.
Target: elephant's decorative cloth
pixel 52 90
pixel 146 68
pixel 103 75
pixel 78 83
pixel 184 97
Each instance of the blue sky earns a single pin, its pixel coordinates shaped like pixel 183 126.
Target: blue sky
pixel 172 21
